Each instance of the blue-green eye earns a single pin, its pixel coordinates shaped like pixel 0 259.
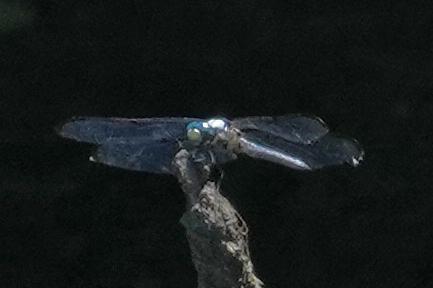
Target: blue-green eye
pixel 194 131
pixel 194 134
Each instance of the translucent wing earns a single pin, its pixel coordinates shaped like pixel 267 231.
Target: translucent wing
pixel 98 130
pixel 296 128
pixel 137 154
pixel 329 150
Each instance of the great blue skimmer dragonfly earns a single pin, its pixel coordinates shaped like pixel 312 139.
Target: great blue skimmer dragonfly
pixel 149 144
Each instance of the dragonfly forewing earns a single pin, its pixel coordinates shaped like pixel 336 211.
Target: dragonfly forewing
pixel 296 128
pixel 98 130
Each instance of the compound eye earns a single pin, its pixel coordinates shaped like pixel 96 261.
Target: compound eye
pixel 194 135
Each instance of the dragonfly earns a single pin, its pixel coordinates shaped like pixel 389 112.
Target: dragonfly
pixel 297 141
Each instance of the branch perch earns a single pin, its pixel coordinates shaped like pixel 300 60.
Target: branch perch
pixel 216 232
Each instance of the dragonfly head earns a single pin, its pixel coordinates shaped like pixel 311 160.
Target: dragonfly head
pixel 200 132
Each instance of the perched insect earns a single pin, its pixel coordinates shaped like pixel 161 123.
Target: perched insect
pixel 150 144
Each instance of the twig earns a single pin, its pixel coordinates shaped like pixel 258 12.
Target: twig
pixel 216 232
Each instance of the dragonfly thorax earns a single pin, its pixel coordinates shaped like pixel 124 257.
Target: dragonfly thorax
pixel 201 132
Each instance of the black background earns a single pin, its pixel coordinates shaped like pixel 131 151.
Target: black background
pixel 366 69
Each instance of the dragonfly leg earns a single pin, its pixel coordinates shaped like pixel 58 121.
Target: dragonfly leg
pixel 216 171
pixel 219 178
pixel 207 159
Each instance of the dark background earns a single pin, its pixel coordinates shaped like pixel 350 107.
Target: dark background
pixel 366 69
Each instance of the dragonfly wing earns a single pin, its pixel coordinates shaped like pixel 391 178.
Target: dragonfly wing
pixel 330 150
pixel 136 154
pixel 296 128
pixel 98 130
